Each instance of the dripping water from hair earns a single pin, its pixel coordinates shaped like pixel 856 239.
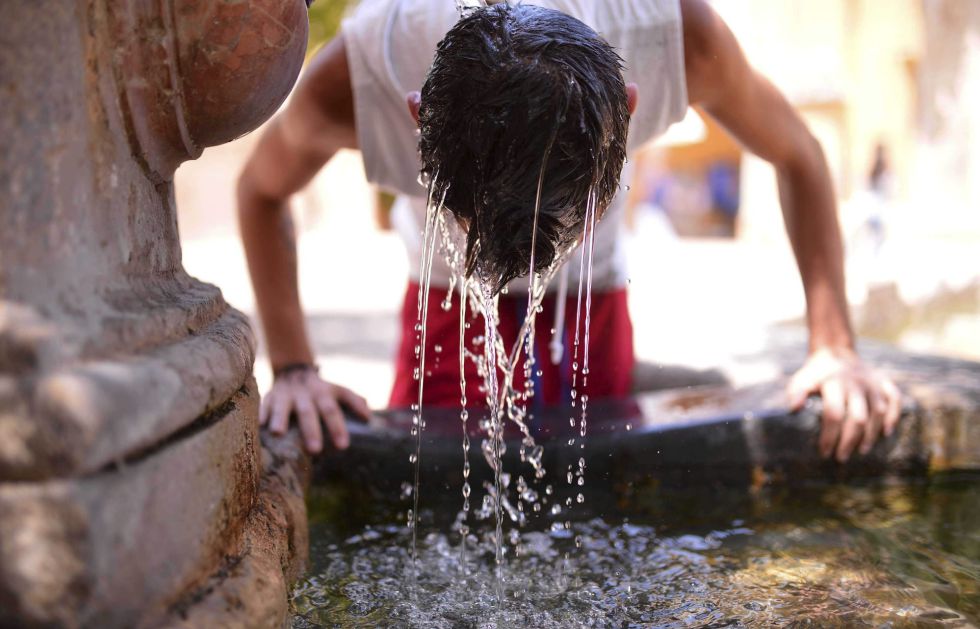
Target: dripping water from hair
pixel 577 476
pixel 418 421
pixel 498 366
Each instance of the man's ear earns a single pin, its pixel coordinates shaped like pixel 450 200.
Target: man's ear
pixel 632 97
pixel 414 100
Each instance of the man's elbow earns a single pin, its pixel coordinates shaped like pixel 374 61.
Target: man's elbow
pixel 805 158
pixel 251 200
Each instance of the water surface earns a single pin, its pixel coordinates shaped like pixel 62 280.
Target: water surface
pixel 874 555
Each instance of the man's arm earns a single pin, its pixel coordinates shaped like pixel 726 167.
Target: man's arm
pixel 318 121
pixel 858 403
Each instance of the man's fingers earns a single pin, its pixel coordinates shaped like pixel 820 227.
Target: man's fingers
pixel 804 383
pixel 854 424
pixel 878 403
pixel 334 419
pixel 797 391
pixel 309 423
pixel 876 418
pixel 833 416
pixel 279 419
pixel 264 410
pixel 357 404
pixel 893 398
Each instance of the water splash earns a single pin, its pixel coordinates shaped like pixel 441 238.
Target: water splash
pixel 671 558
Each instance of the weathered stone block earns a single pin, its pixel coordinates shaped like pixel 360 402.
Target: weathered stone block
pixel 107 549
pixel 96 311
pixel 128 451
pixel 250 590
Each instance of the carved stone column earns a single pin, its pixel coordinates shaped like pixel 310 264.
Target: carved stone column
pixel 129 458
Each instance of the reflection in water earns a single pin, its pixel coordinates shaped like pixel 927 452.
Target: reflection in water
pixel 895 556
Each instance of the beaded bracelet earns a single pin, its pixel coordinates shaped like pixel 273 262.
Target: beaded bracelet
pixel 289 368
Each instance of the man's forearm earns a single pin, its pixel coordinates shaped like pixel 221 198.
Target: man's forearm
pixel 810 212
pixel 270 247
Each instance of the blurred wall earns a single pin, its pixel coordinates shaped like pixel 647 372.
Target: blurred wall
pixel 851 68
pixel 948 121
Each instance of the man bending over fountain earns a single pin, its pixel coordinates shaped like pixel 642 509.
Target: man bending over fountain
pixel 526 103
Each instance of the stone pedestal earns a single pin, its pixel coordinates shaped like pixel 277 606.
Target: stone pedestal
pixel 129 458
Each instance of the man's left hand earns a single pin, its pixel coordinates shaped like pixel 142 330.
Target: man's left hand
pixel 858 402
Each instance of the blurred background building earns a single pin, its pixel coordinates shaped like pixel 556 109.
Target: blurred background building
pixel 891 89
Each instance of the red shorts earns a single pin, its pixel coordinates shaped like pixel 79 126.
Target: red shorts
pixel 610 350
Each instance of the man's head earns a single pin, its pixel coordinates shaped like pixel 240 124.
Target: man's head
pixel 514 92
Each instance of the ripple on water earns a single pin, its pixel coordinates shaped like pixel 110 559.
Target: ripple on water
pixel 895 556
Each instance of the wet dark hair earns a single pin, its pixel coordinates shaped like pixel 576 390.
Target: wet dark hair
pixel 511 87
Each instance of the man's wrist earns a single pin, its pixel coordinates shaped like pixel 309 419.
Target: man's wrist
pixel 287 369
pixel 835 336
pixel 841 348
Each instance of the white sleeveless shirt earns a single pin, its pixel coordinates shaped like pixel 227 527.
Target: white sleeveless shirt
pixel 390 46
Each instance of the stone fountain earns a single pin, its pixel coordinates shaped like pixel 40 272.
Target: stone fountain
pixel 134 490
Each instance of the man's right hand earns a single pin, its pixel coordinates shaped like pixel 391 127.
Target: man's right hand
pixel 312 400
pixel 317 122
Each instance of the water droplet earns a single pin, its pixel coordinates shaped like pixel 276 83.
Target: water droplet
pixel 580 498
pixel 412 458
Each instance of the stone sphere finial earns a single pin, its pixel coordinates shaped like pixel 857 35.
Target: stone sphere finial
pixel 196 73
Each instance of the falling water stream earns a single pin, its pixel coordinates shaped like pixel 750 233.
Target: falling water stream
pixel 497 366
pixel 418 421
